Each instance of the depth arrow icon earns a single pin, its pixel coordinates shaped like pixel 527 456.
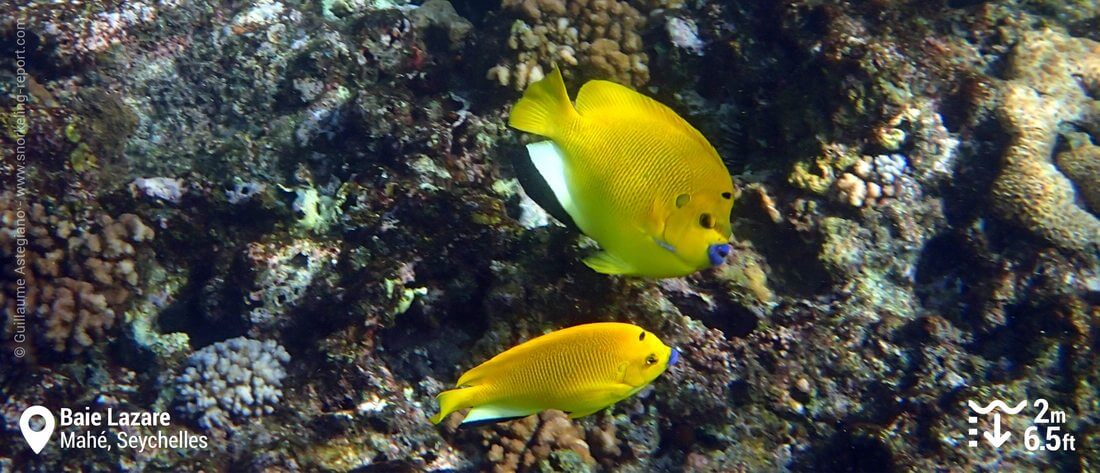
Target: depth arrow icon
pixel 997 438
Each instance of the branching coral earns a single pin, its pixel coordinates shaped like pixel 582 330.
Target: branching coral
pixel 237 378
pixel 871 180
pixel 602 37
pixel 550 439
pixel 79 273
pixel 1050 77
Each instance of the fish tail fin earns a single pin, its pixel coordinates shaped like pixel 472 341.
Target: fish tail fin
pixel 450 401
pixel 545 107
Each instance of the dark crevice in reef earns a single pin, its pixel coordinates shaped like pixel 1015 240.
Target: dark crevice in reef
pixel 209 308
pixel 431 343
pixel 952 277
pixel 793 264
pixel 733 319
pixel 1015 342
pixel 850 451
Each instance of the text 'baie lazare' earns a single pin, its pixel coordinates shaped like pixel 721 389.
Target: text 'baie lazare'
pixel 114 419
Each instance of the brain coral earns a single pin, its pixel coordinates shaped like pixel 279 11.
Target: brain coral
pixel 237 378
pixel 1050 76
pixel 1082 165
pixel 79 272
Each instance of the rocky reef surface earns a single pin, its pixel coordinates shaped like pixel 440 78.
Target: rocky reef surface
pixel 291 224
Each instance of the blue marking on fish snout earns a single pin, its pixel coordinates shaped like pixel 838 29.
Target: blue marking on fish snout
pixel 673 357
pixel 718 253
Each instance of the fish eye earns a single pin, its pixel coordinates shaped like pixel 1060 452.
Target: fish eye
pixel 650 360
pixel 727 195
pixel 706 221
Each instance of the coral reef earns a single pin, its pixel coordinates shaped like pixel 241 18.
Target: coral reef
pixel 282 275
pixel 600 37
pixel 871 180
pixel 1050 76
pixel 335 181
pixel 546 442
pixel 232 380
pixel 72 274
pixel 1081 164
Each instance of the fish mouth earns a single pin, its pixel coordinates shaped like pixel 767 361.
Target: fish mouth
pixel 673 358
pixel 718 253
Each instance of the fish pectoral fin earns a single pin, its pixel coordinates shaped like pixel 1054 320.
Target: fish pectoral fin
pixel 607 263
pixel 664 244
pixel 549 161
pixel 491 413
pixel 600 399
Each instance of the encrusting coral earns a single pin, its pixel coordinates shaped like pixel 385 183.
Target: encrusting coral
pixel 79 273
pixel 1050 76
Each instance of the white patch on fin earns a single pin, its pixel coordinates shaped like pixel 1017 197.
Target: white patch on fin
pixel 491 412
pixel 549 160
pixel 607 263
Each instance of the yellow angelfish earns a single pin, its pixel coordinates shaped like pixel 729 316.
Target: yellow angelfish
pixel 579 370
pixel 632 174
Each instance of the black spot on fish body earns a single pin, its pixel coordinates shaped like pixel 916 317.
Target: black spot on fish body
pixel 641 336
pixel 727 195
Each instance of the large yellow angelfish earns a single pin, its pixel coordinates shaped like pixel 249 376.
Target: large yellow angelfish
pixel 579 370
pixel 632 174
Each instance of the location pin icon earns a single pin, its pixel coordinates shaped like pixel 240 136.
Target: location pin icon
pixel 37 440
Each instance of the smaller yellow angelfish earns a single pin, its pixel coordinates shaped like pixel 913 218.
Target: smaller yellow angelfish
pixel 632 174
pixel 579 370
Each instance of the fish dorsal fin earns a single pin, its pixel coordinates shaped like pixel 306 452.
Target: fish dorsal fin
pixel 549 160
pixel 545 107
pixel 490 413
pixel 598 95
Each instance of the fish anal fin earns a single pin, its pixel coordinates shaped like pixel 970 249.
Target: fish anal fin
pixel 479 423
pixel 599 399
pixel 549 160
pixel 490 413
pixel 607 263
pixel 579 414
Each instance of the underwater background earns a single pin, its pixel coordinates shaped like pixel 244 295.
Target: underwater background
pixel 292 224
